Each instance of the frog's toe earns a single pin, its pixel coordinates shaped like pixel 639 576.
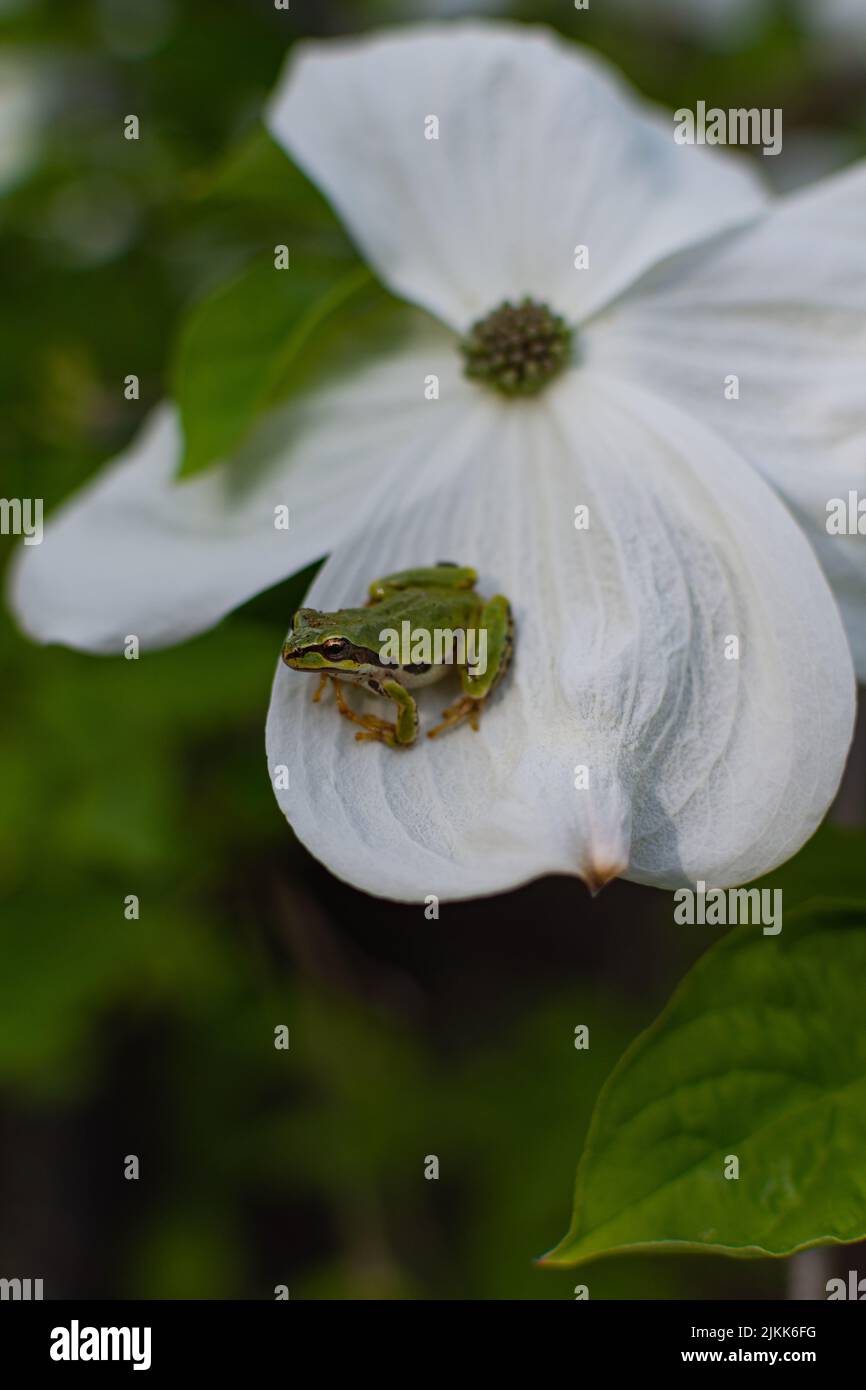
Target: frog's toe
pixel 385 735
pixel 377 730
pixel 464 708
pixel 376 725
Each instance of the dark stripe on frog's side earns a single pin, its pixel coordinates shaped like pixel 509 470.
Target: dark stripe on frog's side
pixel 362 656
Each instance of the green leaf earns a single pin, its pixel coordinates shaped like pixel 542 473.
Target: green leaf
pixel 252 343
pixel 831 864
pixel 343 331
pixel 270 335
pixel 268 332
pixel 258 174
pixel 761 1054
pixel 239 346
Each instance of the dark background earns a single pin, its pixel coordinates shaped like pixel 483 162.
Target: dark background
pixel 408 1037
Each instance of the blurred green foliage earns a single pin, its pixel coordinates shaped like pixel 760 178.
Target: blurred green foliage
pixel 156 1036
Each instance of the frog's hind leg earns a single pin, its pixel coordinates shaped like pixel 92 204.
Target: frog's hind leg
pixel 445 575
pixel 498 623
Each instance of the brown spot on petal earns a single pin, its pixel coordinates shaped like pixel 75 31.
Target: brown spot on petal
pixel 598 873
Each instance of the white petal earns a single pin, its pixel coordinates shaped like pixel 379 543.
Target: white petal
pixel 781 305
pixel 699 766
pixel 138 553
pixel 540 149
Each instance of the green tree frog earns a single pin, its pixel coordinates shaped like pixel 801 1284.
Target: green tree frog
pixel 415 627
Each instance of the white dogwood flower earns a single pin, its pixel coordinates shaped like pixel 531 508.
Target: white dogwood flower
pixel 683 649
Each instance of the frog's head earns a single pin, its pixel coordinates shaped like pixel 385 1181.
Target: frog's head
pixel 319 642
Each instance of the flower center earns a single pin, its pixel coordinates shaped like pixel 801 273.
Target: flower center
pixel 517 348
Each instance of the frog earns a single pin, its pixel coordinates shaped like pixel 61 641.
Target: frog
pixel 437 609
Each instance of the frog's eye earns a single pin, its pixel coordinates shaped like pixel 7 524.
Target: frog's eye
pixel 335 648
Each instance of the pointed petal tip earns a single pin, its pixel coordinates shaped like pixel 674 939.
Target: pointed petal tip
pixel 598 873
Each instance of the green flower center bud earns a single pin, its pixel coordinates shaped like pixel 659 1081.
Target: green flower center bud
pixel 517 348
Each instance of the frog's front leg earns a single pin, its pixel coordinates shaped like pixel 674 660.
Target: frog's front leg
pixel 396 735
pixel 324 678
pixel 369 722
pixel 497 621
pixel 405 731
